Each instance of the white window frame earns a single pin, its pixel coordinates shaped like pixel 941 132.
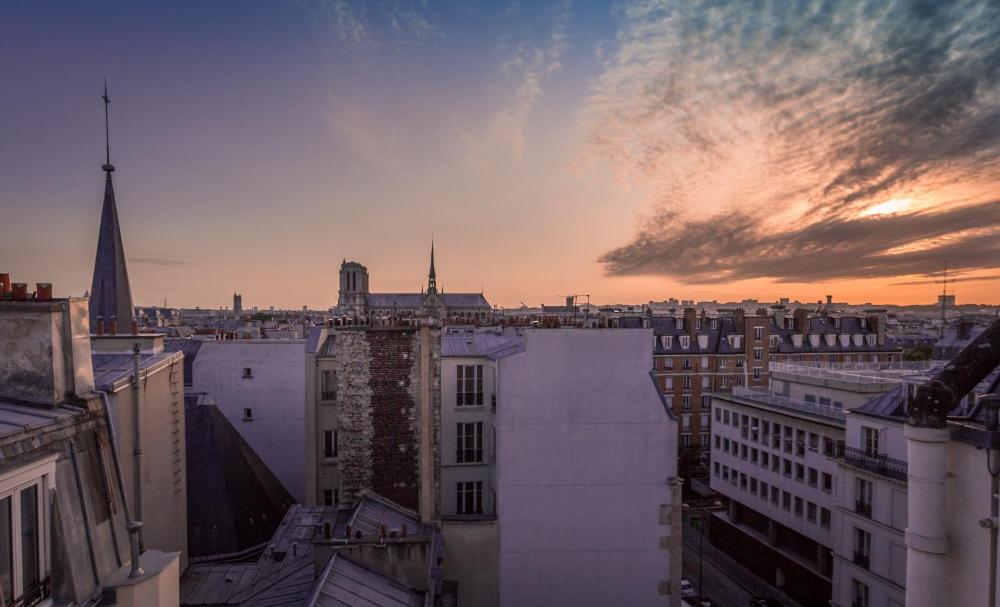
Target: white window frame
pixel 462 394
pixel 469 440
pixel 42 474
pixel 473 488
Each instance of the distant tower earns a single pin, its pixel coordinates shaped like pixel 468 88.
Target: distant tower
pixel 353 297
pixel 432 275
pixel 237 304
pixel 110 294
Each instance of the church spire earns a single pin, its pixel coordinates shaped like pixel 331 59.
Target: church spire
pixel 432 276
pixel 110 293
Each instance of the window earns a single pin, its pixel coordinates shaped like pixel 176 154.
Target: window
pixel 247 372
pixel 810 398
pixel 764 459
pixel 813 441
pixel 668 383
pixel 824 401
pixel 469 497
pixel 668 341
pixel 687 381
pixel 685 440
pixel 763 490
pixel 331 497
pixel 827 482
pixel 787 467
pixel 469 389
pixel 811 512
pixel 686 402
pixel 756 372
pixel 670 362
pixel 862 547
pixel 829 447
pixel 704 362
pixel 824 518
pixel 706 381
pixel 725 416
pixel 798 506
pixel 758 353
pixel 330 444
pixel 863 490
pixel 722 363
pixel 23 534
pixel 716 468
pixel 758 333
pixel 813 477
pixel 786 500
pixel 247 414
pixel 859 594
pixel 704 440
pixel 328 384
pixel 869 441
pixel 715 323
pixel 774 495
pixel 469 443
pixel 706 401
pixel 754 455
pixel 800 473
pixel 685 342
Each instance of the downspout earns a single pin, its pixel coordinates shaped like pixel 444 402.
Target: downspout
pixel 133 526
pixel 137 435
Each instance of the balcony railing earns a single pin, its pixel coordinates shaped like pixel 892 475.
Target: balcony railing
pixel 764 396
pixel 873 462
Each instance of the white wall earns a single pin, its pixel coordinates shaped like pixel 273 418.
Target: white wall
pixel 451 472
pixel 585 449
pixel 275 395
pixel 968 544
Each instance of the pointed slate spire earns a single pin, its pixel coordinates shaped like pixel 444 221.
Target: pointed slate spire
pixel 110 294
pixel 432 276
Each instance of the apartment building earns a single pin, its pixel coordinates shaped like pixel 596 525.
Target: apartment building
pixel 64 506
pixel 469 380
pixel 588 503
pixel 697 354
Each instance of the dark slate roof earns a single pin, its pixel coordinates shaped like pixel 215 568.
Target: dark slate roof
pixel 890 405
pixel 110 294
pixel 18 417
pixel 464 300
pixel 398 300
pixel 312 340
pixel 488 345
pixel 190 348
pixel 285 573
pixel 111 368
pixel 234 500
pixel 344 583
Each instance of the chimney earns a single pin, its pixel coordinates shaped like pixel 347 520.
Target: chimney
pixel 778 311
pixel 20 291
pixel 46 354
pixel 690 320
pixel 114 325
pixel 43 291
pixel 100 325
pixel 739 318
pixel 802 321
pixel 4 285
pixel 135 327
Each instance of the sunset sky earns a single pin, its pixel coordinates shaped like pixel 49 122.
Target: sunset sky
pixel 629 150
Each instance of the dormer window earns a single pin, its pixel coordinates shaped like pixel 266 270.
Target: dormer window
pixel 667 341
pixel 715 323
pixel 679 323
pixel 836 323
pixel 864 323
pixel 699 324
pixel 870 339
pixel 685 341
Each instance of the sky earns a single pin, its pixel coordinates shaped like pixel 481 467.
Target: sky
pixel 631 150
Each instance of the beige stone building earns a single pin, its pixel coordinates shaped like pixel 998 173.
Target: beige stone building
pixel 159 492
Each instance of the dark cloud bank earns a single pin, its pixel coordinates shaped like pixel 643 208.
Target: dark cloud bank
pixel 862 98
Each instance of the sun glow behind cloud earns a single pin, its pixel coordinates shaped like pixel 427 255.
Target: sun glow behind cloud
pixel 893 205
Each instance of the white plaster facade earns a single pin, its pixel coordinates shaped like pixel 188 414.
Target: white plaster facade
pixel 586 462
pixel 266 405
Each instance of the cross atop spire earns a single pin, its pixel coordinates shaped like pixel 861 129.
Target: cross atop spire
pixel 432 276
pixel 108 167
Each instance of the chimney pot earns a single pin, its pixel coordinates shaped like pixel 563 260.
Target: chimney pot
pixel 100 325
pixel 19 291
pixel 381 530
pixel 4 285
pixel 114 325
pixel 43 291
pixel 135 327
pixel 357 534
pixel 348 534
pixel 327 531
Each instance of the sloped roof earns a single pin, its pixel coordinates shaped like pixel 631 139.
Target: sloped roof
pixel 110 293
pixel 344 583
pixel 111 368
pixel 477 344
pixel 234 500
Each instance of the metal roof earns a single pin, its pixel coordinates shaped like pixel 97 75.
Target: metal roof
pixel 488 345
pixel 109 369
pixel 18 417
pixel 345 583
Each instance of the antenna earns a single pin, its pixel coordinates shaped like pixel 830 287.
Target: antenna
pixel 944 282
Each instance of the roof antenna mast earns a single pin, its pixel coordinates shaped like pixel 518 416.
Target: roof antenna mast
pixel 108 167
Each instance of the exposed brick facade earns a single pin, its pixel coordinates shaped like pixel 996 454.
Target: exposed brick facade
pixel 378 412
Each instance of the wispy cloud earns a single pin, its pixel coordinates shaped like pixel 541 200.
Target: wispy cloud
pixel 766 128
pixel 526 70
pixel 372 23
pixel 930 281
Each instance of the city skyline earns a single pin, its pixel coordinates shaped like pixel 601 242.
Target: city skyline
pixel 635 152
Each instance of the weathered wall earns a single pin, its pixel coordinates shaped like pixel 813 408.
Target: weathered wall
pixel 471 556
pixel 378 413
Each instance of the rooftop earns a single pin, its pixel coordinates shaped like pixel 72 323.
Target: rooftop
pixel 765 397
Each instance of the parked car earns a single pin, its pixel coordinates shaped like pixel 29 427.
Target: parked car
pixel 687 589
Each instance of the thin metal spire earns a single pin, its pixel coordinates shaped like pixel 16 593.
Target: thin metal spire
pixel 108 167
pixel 432 276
